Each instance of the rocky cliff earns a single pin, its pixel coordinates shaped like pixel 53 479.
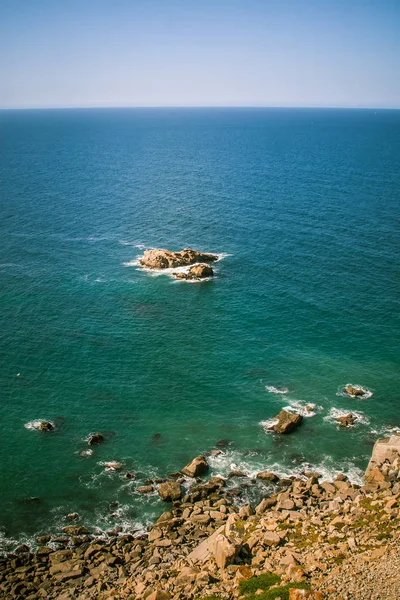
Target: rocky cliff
pixel 306 539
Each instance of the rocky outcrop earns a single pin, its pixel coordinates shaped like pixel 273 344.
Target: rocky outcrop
pixel 309 539
pixel 355 391
pixel 95 438
pixel 166 259
pixel 287 422
pixel 169 491
pixel 46 426
pixel 197 272
pixel 198 466
pixel 384 467
pixel 346 420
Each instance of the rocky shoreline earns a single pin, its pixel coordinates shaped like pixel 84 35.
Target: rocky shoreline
pixel 306 539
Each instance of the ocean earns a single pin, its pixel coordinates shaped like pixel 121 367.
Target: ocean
pixel 302 206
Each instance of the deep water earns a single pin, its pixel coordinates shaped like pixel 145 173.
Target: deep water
pixel 304 205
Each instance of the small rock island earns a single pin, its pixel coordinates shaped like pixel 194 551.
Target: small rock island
pixel 198 262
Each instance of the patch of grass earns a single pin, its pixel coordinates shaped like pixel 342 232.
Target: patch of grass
pixel 384 536
pixel 281 592
pixel 262 582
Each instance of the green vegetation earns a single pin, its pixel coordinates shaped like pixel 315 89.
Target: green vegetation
pixel 265 582
pixel 281 592
pixel 262 582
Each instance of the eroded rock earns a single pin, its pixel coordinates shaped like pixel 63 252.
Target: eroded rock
pixel 287 422
pixel 198 466
pixel 201 271
pixel 166 259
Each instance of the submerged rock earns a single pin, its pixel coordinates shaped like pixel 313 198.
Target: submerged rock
pixel 355 391
pixel 201 271
pixel 287 422
pixel 46 426
pixel 346 420
pixel 198 466
pixel 166 259
pixel 95 439
pixel 113 465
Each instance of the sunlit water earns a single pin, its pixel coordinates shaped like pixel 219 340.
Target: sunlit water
pixel 302 205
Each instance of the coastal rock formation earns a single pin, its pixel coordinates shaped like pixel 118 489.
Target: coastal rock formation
pixel 355 391
pixel 267 476
pixel 287 422
pixel 169 491
pixel 384 467
pixel 46 426
pixel 200 271
pixel 198 466
pixel 95 439
pixel 166 259
pixel 346 420
pixel 308 540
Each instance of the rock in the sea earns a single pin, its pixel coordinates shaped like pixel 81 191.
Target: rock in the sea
pixel 169 491
pixel 197 467
pixel 201 271
pixel 113 465
pixel 287 422
pixel 355 391
pixel 96 438
pixel 75 530
pixel 46 426
pixel 267 476
pixel 165 259
pixel 145 489
pixel 346 420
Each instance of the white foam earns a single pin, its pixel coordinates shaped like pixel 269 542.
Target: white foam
pixel 342 392
pixel 31 425
pixel 274 390
pixel 134 244
pixel 305 409
pixel 335 413
pixel 268 424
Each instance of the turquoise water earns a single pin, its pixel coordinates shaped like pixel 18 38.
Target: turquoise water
pixel 304 207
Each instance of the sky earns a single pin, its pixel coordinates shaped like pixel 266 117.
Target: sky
pixel 87 53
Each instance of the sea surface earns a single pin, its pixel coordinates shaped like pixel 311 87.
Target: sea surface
pixel 302 205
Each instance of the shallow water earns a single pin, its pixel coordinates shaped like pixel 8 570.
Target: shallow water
pixel 304 206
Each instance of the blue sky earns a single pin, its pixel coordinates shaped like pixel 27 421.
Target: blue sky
pixel 61 53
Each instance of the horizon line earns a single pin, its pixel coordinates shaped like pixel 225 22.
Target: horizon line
pixel 194 106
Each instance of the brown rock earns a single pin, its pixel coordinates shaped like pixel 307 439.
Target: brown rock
pixel 267 476
pixel 165 259
pixel 224 551
pixel 287 422
pixel 346 420
pixel 197 467
pixel 169 491
pixel 145 489
pixel 355 391
pixel 95 439
pixel 75 530
pixel 46 426
pixel 299 594
pixel 159 595
pixel 200 271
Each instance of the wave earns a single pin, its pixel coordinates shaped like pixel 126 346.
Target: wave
pixel 31 425
pixel 335 413
pixel 268 423
pixel 305 409
pixel 274 390
pixel 367 392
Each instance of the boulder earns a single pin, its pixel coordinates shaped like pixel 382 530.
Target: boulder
pixel 287 422
pixel 95 438
pixel 145 489
pixel 200 271
pixel 198 466
pixel 75 530
pixel 165 259
pixel 355 391
pixel 113 465
pixel 169 491
pixel 267 476
pixel 224 551
pixel 46 426
pixel 386 452
pixel 346 420
pixel 300 594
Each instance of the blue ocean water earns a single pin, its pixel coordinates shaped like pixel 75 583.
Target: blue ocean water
pixel 302 205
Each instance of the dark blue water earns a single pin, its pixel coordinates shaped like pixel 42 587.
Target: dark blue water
pixel 302 205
